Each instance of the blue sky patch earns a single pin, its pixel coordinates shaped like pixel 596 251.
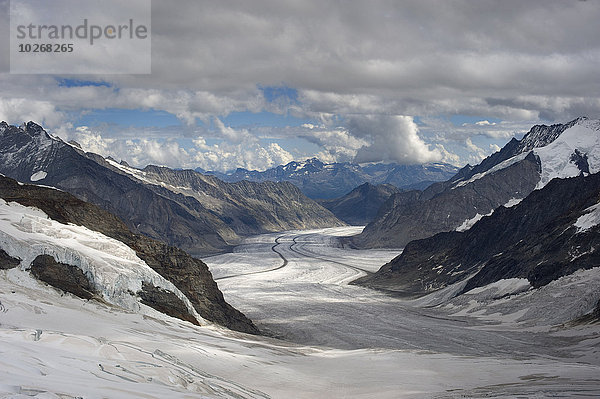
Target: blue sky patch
pixel 81 83
pixel 129 117
pixel 274 93
pixel 264 118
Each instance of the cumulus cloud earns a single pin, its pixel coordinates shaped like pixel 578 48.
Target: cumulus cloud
pixel 338 144
pixel 226 157
pixel 483 123
pixel 233 135
pixel 392 138
pixel 477 153
pixel 449 157
pixel 247 152
pixel 18 110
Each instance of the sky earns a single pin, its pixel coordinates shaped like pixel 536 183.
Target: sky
pixel 259 83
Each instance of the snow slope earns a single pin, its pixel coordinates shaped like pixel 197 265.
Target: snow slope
pixel 589 219
pixel 512 302
pixel 112 267
pixel 556 156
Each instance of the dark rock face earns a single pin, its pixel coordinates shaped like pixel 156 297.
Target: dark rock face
pixel 360 206
pixel 192 277
pixel 246 207
pixel 442 207
pixel 7 262
pixel 206 221
pixel 329 181
pixel 165 302
pixel 581 161
pixel 188 274
pixel 59 275
pixel 535 239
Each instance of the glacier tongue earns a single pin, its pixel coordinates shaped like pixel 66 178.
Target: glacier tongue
pixel 113 268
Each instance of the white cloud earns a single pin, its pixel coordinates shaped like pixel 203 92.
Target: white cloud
pixel 252 156
pixel 232 135
pixel 338 144
pixel 448 156
pixel 19 110
pixel 392 138
pixel 477 154
pixel 247 152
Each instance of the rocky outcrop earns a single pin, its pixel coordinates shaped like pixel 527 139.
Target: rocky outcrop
pixel 7 262
pixel 165 302
pixel 539 239
pixel 62 276
pixel 190 275
pixel 318 180
pixel 360 206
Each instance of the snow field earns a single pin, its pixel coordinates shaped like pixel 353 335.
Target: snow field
pixel 60 346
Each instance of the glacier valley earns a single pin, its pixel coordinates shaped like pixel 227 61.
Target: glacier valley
pixel 329 338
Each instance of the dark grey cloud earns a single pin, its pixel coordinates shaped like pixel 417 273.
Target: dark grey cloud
pixel 410 57
pixel 376 60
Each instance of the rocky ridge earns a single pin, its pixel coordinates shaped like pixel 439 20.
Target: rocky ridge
pixel 553 232
pixel 360 206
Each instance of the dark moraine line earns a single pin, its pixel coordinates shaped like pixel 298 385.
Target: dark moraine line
pixel 307 253
pixel 284 262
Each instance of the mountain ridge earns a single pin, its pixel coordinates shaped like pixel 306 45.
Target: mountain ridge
pixel 361 205
pixel 553 232
pixel 508 175
pixel 319 180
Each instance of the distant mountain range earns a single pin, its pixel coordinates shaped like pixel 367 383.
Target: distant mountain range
pixel 541 196
pixel 183 208
pixel 319 180
pixel 503 178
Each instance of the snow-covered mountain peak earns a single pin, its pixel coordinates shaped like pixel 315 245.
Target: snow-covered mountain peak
pixel 593 124
pixel 564 150
pixel 576 150
pixel 542 135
